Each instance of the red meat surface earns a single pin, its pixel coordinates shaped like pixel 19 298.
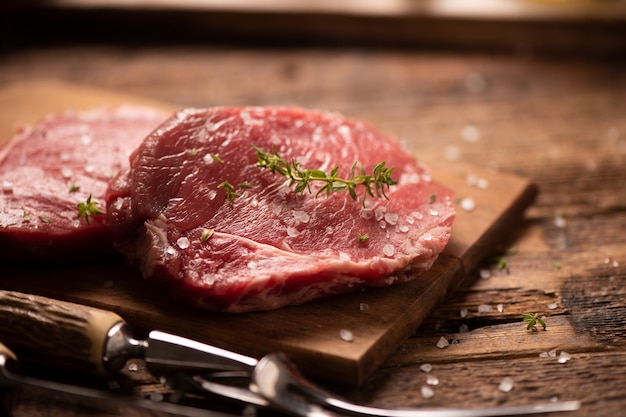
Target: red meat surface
pixel 271 246
pixel 49 168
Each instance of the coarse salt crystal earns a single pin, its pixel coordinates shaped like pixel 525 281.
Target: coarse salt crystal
pixel 544 355
pixel 427 392
pixel 427 236
pixel 433 212
pixel 470 133
pixel 432 380
pixel 170 250
pixel 451 153
pixel 379 212
pixel 552 353
pixel 391 218
pixel 552 306
pixel 389 250
pixel 7 186
pixel 506 384
pixel 182 242
pixel 564 357
pixel 292 231
pixel 346 335
pixel 426 367
pixel 301 216
pixel 485 273
pixel 442 343
pixel 364 307
pixel 500 308
pixel 85 140
pixel 468 204
pixel 559 221
pixel 485 308
pixel 464 312
pixel 133 367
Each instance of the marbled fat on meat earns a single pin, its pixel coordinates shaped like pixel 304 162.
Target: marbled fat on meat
pixel 271 247
pixel 41 168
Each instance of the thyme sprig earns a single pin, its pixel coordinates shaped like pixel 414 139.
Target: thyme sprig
pixel 374 184
pixel 532 319
pixel 88 208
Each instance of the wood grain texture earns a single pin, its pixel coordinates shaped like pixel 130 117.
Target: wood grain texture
pixel 308 333
pixel 557 120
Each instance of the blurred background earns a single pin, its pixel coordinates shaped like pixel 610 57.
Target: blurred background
pixel 551 26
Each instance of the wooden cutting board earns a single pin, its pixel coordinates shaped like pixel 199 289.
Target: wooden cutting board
pixel 309 334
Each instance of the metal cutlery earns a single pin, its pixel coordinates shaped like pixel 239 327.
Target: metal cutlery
pixel 91 399
pixel 273 382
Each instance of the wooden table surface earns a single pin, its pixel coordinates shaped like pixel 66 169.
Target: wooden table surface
pixel 558 120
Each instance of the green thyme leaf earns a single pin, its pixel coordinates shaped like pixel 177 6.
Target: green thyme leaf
pixel 88 208
pixel 533 319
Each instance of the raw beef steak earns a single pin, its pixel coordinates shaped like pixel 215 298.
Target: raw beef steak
pixel 269 247
pixel 49 168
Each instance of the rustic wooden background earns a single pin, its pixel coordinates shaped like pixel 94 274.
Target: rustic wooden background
pixel 554 114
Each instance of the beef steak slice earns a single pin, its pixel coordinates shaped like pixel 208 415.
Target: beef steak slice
pixel 268 246
pixel 50 167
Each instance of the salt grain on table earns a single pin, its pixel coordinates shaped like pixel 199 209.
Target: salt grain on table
pixel 506 384
pixel 442 343
pixel 485 308
pixel 564 357
pixel 432 380
pixel 427 392
pixel 426 367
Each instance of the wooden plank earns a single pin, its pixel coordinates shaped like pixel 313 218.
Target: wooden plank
pixel 309 334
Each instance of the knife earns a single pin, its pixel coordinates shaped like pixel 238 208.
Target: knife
pixel 104 343
pixel 89 398
pixel 90 340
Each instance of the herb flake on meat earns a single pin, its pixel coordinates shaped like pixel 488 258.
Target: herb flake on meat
pixel 88 208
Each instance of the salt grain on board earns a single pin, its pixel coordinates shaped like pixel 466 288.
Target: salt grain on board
pixel 468 204
pixel 346 335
